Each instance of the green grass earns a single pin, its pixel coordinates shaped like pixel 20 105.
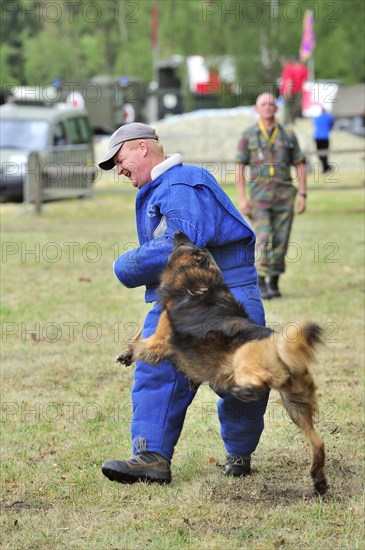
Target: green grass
pixel 66 404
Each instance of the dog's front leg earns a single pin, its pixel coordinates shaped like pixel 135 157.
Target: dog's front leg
pixel 152 349
pixel 127 356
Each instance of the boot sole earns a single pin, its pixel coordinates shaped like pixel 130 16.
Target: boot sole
pixel 148 476
pixel 237 472
pixel 275 294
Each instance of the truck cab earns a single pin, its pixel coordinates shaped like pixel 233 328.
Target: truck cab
pixel 60 135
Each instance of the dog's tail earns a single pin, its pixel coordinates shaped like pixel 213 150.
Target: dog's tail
pixel 297 344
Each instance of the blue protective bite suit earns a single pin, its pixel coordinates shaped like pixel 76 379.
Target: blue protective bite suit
pixel 189 199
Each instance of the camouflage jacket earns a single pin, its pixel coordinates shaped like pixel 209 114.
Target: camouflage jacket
pixel 269 164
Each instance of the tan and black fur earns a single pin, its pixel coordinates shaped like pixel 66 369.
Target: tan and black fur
pixel 208 336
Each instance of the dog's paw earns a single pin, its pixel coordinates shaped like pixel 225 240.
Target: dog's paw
pixel 248 393
pixel 126 357
pixel 320 487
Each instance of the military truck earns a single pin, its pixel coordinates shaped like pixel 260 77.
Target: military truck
pixel 57 135
pixel 110 101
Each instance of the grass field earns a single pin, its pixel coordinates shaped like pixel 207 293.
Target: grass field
pixel 66 404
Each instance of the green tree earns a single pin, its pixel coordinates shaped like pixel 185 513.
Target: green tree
pixel 43 40
pixel 14 29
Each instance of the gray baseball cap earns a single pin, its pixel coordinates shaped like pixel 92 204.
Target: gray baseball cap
pixel 128 132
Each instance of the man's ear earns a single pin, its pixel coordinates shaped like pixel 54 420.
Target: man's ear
pixel 144 147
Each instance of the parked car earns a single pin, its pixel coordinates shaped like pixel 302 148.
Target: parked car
pixel 61 136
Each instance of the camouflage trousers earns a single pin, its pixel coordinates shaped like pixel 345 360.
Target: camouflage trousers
pixel 272 224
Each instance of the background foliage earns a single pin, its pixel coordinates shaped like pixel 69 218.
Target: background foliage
pixel 43 40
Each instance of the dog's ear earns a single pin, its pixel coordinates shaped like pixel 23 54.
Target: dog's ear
pixel 181 238
pixel 197 291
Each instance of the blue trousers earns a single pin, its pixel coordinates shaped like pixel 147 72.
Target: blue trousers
pixel 161 397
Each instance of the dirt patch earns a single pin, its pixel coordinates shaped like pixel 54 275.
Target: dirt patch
pixel 259 488
pixel 249 491
pixel 20 505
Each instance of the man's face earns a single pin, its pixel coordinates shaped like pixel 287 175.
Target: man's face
pixel 266 107
pixel 130 162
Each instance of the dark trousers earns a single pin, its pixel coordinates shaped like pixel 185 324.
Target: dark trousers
pixel 322 145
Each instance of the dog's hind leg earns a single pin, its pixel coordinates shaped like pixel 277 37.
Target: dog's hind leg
pixel 248 371
pixel 248 393
pixel 300 403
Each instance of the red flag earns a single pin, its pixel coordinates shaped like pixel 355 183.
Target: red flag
pixel 154 26
pixel 308 37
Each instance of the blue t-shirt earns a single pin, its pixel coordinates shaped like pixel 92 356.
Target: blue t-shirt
pixel 323 125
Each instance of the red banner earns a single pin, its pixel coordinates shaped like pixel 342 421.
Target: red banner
pixel 308 37
pixel 154 26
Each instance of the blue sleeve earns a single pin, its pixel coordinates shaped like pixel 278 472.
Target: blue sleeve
pixel 144 265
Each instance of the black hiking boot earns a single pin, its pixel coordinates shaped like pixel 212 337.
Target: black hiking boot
pixel 264 291
pixel 238 466
pixel 273 287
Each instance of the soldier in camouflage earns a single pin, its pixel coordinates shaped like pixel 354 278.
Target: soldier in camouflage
pixel 269 151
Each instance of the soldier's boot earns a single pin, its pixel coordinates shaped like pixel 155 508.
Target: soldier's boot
pixel 264 291
pixel 273 287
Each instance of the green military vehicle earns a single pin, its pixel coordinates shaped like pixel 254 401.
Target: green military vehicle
pixel 52 139
pixel 110 101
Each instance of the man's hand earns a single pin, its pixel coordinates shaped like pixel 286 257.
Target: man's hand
pixel 301 204
pixel 244 205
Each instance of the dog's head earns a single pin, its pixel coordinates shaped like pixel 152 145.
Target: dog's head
pixel 186 255
pixel 193 292
pixel 189 269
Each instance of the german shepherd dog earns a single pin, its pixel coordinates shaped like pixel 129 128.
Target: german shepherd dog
pixel 208 336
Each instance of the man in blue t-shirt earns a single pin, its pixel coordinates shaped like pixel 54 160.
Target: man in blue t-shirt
pixel 176 197
pixel 323 125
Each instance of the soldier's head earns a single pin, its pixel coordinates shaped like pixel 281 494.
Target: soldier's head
pixel 266 107
pixel 134 150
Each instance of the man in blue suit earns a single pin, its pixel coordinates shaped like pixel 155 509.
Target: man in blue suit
pixel 176 197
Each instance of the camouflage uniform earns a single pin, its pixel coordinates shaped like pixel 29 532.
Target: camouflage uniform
pixel 272 193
